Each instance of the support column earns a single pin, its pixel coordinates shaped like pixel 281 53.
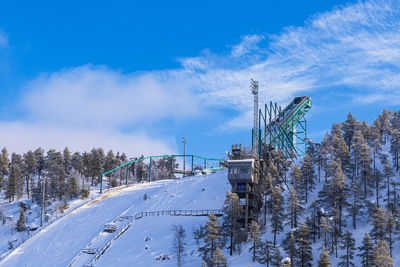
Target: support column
pixel 172 167
pixel 127 173
pixel 192 165
pixel 101 184
pixel 150 171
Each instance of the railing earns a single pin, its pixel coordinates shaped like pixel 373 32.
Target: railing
pixel 99 252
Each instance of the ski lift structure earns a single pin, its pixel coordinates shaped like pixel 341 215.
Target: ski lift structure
pixel 274 129
pixel 207 165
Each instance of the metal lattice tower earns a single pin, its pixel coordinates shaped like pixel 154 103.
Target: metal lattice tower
pixel 254 91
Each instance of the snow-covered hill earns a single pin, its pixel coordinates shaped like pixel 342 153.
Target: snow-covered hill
pixel 58 244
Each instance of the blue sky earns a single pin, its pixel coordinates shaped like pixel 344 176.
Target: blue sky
pixel 136 77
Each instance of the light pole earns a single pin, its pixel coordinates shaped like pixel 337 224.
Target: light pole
pixel 184 140
pixel 42 215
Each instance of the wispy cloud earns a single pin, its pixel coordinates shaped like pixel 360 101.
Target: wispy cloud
pixel 355 46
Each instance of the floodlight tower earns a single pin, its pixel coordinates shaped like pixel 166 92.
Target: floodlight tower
pixel 254 91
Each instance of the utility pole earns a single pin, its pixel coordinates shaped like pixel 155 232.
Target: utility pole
pixel 184 141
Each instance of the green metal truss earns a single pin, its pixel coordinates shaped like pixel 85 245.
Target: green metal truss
pixel 285 129
pixel 127 164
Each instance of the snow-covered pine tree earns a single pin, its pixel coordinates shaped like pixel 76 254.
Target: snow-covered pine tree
pixel 366 250
pixel 254 239
pixel 304 256
pixel 289 245
pixel 211 239
pixel 179 244
pixel 218 259
pixel 87 166
pixel 379 223
pixel 326 227
pixel 392 230
pixel 347 243
pixel 339 148
pixel 14 182
pixel 383 123
pixel 388 180
pixel 276 257
pixel 277 212
pixel 67 161
pixel 40 160
pixel 21 221
pixel 73 189
pixel 395 147
pixel 324 151
pixel 356 206
pixel 264 252
pixel 28 168
pixel 97 162
pixel 296 210
pixel 324 260
pixel 4 166
pixel 308 175
pixel 381 256
pixel 230 225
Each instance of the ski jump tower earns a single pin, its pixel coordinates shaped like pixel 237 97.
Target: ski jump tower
pixel 275 129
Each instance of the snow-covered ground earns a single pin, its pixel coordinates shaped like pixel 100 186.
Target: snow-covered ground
pixel 151 237
pixel 58 244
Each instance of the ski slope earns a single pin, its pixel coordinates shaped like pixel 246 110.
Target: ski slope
pixel 58 244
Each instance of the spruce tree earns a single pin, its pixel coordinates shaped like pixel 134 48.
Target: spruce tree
pixel 218 259
pixel 366 250
pixel 289 245
pixel 211 239
pixel 395 147
pixel 29 168
pixel 379 223
pixel 4 166
pixel 21 221
pixel 254 238
pixel 296 210
pixel 326 227
pixel 308 175
pixel 356 206
pixel 348 244
pixel 381 256
pixel 304 258
pixel 179 243
pixel 67 162
pixel 324 260
pixel 265 253
pixel 230 225
pixel 277 213
pixel 40 161
pixel 391 230
pixel 276 257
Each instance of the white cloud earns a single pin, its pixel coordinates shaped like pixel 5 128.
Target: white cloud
pixel 22 136
pixel 96 96
pixel 356 47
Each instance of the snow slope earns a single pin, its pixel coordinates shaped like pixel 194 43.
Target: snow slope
pixel 62 241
